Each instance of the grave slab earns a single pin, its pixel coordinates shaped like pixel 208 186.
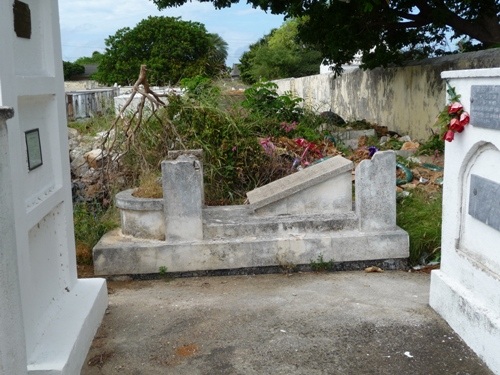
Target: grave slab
pixel 290 221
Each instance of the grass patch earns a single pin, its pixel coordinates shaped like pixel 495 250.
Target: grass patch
pixel 91 126
pixel 91 222
pixel 420 214
pixel 149 187
pixel 321 265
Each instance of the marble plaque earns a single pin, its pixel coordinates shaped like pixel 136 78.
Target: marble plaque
pixel 485 107
pixel 484 201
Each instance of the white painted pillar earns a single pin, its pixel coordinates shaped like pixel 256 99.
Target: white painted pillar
pixel 12 343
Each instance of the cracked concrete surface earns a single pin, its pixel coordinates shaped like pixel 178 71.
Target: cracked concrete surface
pixel 306 323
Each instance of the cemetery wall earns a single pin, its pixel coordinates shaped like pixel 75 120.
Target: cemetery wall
pixel 405 99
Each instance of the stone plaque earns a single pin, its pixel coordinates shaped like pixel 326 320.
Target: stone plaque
pixel 484 201
pixel 485 107
pixel 22 19
pixel 33 148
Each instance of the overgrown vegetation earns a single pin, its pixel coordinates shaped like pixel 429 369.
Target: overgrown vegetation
pixel 232 132
pixel 420 215
pixel 91 222
pixel 240 135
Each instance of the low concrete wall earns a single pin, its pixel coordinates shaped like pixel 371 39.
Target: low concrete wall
pixel 405 99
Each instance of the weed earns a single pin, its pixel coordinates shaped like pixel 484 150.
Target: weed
pixel 392 144
pixel 262 99
pixel 320 264
pixel 162 270
pixel 420 214
pixel 91 126
pixel 91 222
pixel 435 144
pixel 149 187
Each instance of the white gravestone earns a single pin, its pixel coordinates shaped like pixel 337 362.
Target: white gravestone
pixel 466 290
pixel 58 314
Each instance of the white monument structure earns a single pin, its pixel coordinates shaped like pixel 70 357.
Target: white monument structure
pixel 466 290
pixel 48 316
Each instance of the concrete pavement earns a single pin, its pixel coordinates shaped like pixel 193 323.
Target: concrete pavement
pixel 306 323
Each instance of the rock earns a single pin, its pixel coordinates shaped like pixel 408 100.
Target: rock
pixel 94 158
pixel 332 118
pixel 409 145
pixel 405 153
pixel 409 186
pixel 72 133
pixel 405 138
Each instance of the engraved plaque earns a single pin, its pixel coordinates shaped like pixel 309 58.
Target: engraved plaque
pixel 485 107
pixel 33 148
pixel 484 201
pixel 22 19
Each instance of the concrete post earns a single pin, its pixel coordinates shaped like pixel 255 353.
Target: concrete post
pixel 12 342
pixel 183 198
pixel 376 192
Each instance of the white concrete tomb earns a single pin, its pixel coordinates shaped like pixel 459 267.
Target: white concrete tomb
pixel 48 316
pixel 466 290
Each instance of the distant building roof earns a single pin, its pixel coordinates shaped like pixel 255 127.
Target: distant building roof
pixel 235 71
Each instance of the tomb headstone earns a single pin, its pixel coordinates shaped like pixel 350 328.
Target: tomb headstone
pixel 466 289
pixel 57 314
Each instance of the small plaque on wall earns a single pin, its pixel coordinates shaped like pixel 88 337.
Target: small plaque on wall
pixel 485 107
pixel 33 148
pixel 484 204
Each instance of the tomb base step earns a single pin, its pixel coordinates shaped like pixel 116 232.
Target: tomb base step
pixel 71 327
pixel 116 254
pixel 235 222
pixel 477 324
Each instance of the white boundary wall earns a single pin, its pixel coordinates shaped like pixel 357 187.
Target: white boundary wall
pixel 466 290
pixel 405 99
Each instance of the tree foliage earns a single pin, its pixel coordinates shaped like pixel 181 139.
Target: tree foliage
pixel 385 31
pixel 280 54
pixel 71 70
pixel 171 49
pixel 87 60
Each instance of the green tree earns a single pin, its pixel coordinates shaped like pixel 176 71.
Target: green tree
pixel 86 60
pixel 385 31
pixel 171 49
pixel 71 70
pixel 280 54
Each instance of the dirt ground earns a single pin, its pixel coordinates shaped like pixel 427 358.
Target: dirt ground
pixel 307 323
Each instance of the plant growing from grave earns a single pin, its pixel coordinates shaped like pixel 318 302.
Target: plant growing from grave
pixel 320 264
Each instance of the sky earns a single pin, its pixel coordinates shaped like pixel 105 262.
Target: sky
pixel 85 24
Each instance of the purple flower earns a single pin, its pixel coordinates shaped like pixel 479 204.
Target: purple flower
pixel 372 150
